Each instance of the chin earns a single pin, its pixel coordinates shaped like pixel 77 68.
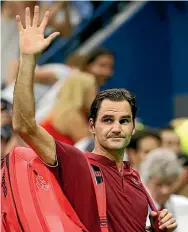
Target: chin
pixel 116 147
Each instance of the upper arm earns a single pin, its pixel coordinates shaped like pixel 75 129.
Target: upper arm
pixel 42 143
pixel 45 76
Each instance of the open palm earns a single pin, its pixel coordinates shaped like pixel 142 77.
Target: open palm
pixel 32 39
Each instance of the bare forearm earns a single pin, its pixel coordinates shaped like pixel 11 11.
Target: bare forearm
pixel 24 103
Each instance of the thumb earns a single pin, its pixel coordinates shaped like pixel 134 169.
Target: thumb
pixel 153 214
pixel 152 217
pixel 51 37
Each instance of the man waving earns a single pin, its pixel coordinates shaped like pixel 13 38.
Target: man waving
pixel 112 124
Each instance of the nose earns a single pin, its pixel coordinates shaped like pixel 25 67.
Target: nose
pixel 165 190
pixel 116 128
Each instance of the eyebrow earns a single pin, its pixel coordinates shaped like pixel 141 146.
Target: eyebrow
pixel 111 116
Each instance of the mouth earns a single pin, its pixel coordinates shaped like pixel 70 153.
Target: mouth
pixel 116 137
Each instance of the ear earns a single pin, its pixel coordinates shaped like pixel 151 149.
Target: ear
pixel 91 126
pixel 134 130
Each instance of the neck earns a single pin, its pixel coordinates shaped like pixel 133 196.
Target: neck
pixel 116 156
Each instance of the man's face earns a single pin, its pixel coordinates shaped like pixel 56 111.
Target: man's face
pixel 160 188
pixel 114 125
pixel 170 140
pixel 102 68
pixel 145 145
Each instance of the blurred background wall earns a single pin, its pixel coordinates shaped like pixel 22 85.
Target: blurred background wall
pixel 152 54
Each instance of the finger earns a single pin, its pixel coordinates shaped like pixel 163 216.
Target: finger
pixel 19 24
pixel 51 37
pixel 168 223
pixel 45 20
pixel 27 17
pixel 152 217
pixel 163 213
pixel 172 226
pixel 36 16
pixel 168 217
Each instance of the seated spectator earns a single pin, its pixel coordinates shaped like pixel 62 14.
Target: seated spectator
pixel 66 15
pixel 170 140
pixel 45 77
pixel 142 142
pixel 180 125
pixel 9 33
pixel 8 137
pixel 75 96
pixel 180 186
pixel 159 171
pixel 60 18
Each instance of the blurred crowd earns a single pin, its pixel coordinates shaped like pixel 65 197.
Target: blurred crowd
pixel 63 95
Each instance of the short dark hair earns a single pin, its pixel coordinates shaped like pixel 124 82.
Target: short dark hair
pixel 94 54
pixel 81 61
pixel 113 95
pixel 166 128
pixel 139 135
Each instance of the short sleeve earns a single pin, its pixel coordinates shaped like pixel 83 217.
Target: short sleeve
pixel 70 161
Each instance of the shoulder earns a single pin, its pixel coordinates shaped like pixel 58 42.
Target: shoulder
pixel 135 176
pixel 68 152
pixel 69 156
pixel 134 171
pixel 66 148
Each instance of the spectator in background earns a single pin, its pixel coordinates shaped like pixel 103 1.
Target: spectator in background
pixel 170 140
pixel 180 125
pixel 66 15
pixel 73 101
pixel 6 128
pixel 159 171
pixel 45 77
pixel 60 18
pixel 8 137
pixel 9 33
pixel 142 142
pixel 85 9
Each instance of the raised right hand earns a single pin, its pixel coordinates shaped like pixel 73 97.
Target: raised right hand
pixel 31 37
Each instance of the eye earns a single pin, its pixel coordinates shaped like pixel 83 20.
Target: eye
pixel 124 121
pixel 107 120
